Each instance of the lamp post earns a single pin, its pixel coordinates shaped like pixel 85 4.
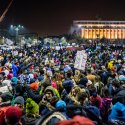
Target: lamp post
pixel 16 29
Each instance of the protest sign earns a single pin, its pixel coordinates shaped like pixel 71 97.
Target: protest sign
pixel 81 58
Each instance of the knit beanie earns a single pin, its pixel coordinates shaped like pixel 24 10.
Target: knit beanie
pixel 13 114
pixel 34 86
pixel 10 76
pixel 61 105
pixel 14 81
pixel 19 100
pixel 83 82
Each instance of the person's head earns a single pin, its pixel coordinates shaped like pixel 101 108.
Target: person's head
pixel 89 84
pixel 69 74
pixel 13 115
pixel 105 92
pixel 10 76
pixel 82 97
pixel 41 71
pixel 96 100
pixel 45 84
pixel 115 83
pixel 61 105
pixel 89 71
pixel 75 90
pixel 68 85
pixel 97 79
pixel 49 93
pixel 14 81
pixel 19 102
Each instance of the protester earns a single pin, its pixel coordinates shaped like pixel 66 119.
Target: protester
pixel 42 81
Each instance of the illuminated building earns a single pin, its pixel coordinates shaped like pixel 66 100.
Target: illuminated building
pixel 100 29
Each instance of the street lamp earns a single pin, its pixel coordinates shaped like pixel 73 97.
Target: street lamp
pixel 16 28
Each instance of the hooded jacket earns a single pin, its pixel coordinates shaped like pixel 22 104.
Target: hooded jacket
pixel 49 104
pixel 73 98
pixel 53 90
pixel 118 112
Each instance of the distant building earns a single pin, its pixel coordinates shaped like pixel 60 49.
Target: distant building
pixel 100 29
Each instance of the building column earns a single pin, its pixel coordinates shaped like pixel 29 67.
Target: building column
pixel 123 33
pixel 117 34
pixel 106 33
pixel 114 33
pixel 103 32
pixel 82 33
pixel 92 33
pixel 109 33
pixel 87 33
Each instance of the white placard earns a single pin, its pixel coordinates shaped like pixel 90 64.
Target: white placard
pixel 81 58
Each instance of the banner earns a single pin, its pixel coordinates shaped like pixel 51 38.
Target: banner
pixel 81 58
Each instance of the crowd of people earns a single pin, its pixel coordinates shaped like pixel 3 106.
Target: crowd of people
pixel 35 82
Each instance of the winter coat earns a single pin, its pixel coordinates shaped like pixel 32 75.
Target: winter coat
pixel 118 112
pixel 36 97
pixel 15 70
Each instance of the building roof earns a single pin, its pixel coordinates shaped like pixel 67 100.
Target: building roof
pixel 97 22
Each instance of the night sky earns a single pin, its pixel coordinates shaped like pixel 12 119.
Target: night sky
pixel 54 17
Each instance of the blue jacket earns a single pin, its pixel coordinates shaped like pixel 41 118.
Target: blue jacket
pixel 118 112
pixel 15 70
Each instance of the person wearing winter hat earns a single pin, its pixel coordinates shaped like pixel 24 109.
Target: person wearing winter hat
pixel 13 116
pixel 67 85
pixel 96 100
pixel 44 85
pixel 61 105
pixel 117 112
pixel 83 82
pixel 95 111
pixel 49 100
pixel 34 85
pixel 32 108
pixel 14 81
pixel 122 77
pixel 9 76
pixel 19 101
pixel 77 120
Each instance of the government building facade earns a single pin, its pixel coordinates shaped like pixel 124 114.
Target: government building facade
pixel 112 30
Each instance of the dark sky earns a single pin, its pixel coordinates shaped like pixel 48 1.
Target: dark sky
pixel 54 17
